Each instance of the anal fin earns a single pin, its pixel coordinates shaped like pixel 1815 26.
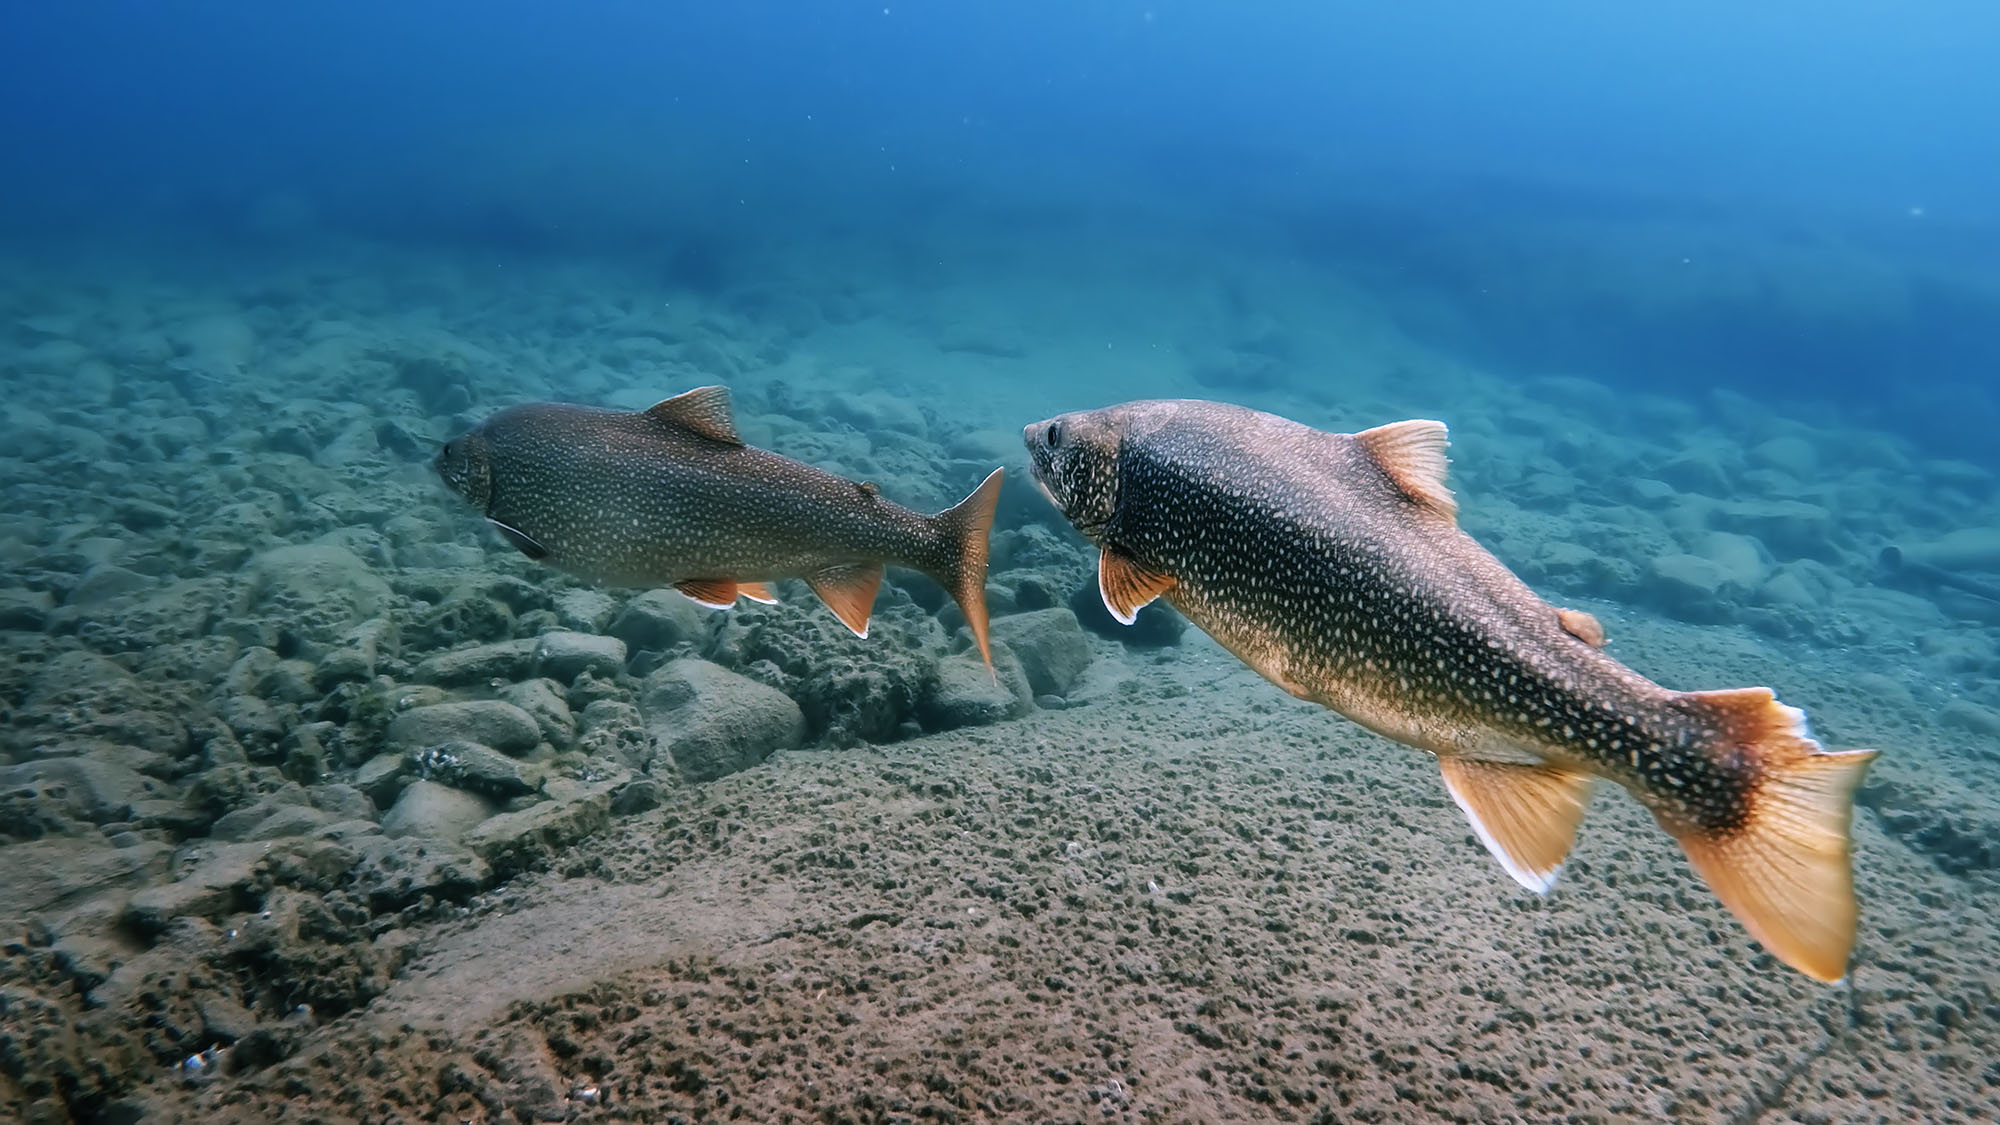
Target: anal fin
pixel 1127 587
pixel 1526 815
pixel 849 591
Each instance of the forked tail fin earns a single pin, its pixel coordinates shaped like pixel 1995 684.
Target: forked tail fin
pixel 958 562
pixel 1783 867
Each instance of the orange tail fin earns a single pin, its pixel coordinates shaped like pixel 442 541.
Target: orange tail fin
pixel 1785 869
pixel 959 564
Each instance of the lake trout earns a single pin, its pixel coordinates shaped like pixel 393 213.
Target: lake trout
pixel 671 496
pixel 1333 565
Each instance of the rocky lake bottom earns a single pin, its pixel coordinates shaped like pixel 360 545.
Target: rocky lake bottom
pixel 317 802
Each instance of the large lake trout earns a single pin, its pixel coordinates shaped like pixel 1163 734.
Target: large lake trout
pixel 671 496
pixel 1333 564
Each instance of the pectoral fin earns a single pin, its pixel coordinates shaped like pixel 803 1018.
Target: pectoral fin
pixel 849 591
pixel 1526 815
pixel 522 541
pixel 721 593
pixel 1128 587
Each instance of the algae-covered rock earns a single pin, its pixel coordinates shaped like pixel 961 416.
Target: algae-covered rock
pixel 490 722
pixel 502 660
pixel 543 699
pixel 714 722
pixel 435 811
pixel 512 841
pixel 317 590
pixel 657 620
pixel 1050 645
pixel 968 694
pixel 477 769
pixel 563 655
pixel 392 873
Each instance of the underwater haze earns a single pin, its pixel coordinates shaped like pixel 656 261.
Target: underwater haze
pixel 319 797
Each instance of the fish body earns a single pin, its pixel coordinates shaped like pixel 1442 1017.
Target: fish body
pixel 671 496
pixel 1333 565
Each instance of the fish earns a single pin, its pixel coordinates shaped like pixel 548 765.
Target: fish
pixel 1333 565
pixel 671 496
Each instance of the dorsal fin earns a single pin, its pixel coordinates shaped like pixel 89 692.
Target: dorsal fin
pixel 704 410
pixel 1412 454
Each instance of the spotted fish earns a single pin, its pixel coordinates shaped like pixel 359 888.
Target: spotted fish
pixel 1334 566
pixel 672 496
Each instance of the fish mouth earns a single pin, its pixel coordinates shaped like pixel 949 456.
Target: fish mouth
pixel 1044 490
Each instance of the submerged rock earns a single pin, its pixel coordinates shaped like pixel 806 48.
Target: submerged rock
pixel 435 811
pixel 967 694
pixel 657 620
pixel 563 656
pixel 512 841
pixel 1050 645
pixel 489 722
pixel 501 660
pixel 714 722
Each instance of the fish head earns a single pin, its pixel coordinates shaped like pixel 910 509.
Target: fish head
pixel 1075 462
pixel 465 464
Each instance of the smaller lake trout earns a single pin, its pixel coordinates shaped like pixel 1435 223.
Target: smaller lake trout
pixel 1333 565
pixel 670 496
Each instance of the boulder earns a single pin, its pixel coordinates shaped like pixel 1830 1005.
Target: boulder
pixel 1050 646
pixel 657 620
pixel 435 812
pixel 1689 585
pixel 967 694
pixel 501 660
pixel 25 610
pixel 489 722
pixel 563 655
pixel 319 590
pixel 86 789
pixel 477 769
pixel 396 872
pixel 1791 529
pixel 512 841
pixel 715 722
pixel 543 699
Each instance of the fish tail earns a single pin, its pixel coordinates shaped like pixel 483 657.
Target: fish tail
pixel 957 559
pixel 1782 864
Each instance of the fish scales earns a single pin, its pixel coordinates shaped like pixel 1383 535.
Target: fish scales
pixel 1333 565
pixel 1404 629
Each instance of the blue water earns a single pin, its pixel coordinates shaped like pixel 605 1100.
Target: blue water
pixel 1795 200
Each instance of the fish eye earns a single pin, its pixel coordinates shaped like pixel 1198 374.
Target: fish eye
pixel 1055 434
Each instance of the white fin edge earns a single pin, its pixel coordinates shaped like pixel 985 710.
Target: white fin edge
pixel 1540 884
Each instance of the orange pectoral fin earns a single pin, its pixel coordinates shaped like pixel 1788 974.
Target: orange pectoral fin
pixel 1128 587
pixel 718 593
pixel 849 591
